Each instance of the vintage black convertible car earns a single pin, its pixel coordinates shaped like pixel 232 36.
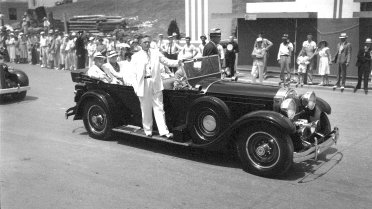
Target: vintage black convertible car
pixel 270 126
pixel 13 84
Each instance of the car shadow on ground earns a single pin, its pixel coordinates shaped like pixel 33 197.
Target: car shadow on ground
pixel 225 158
pixel 312 170
pixel 8 100
pixel 299 172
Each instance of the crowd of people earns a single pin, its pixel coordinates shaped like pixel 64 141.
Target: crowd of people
pixel 306 60
pixel 70 51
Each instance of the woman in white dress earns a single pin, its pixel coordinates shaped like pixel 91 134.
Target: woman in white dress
pixel 325 61
pixel 10 43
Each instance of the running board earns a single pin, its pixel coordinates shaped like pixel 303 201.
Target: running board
pixel 138 131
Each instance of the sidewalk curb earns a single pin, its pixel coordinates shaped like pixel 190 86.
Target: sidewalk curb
pixel 305 86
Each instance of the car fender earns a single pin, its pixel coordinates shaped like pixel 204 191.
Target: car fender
pixel 271 117
pixel 22 77
pixel 323 105
pixel 98 95
pixel 276 119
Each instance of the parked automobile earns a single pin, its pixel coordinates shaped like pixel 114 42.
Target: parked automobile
pixel 270 126
pixel 13 84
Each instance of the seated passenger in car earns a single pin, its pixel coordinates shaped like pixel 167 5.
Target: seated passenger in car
pixel 181 79
pixel 96 71
pixel 165 72
pixel 112 68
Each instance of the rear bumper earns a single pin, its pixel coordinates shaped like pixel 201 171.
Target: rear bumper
pixel 18 89
pixel 313 152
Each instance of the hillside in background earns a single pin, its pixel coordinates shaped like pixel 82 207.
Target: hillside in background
pixel 160 12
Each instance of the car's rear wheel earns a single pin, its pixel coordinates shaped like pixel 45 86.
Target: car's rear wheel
pixel 264 150
pixel 97 120
pixel 207 119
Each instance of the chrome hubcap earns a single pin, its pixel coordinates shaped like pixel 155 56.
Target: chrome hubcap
pixel 209 123
pixel 263 150
pixel 97 120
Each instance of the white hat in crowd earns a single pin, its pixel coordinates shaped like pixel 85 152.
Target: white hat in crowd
pixel 98 55
pixel 215 32
pixel 343 35
pixel 259 39
pixel 91 38
pixel 368 41
pixel 112 54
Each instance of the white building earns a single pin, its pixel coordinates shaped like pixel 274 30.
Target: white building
pixel 325 19
pixel 32 4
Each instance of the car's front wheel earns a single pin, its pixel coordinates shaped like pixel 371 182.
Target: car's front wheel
pixel 264 150
pixel 97 120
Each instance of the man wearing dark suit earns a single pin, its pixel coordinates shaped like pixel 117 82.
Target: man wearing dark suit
pixel 364 65
pixel 211 47
pixel 342 57
pixel 80 50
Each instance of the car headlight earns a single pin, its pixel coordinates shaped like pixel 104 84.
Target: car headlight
pixel 308 100
pixel 289 107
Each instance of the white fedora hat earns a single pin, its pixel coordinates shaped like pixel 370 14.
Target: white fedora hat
pixel 368 41
pixel 343 35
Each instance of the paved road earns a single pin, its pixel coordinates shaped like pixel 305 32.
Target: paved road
pixel 50 162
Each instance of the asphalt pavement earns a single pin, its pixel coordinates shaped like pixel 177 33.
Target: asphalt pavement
pixel 50 162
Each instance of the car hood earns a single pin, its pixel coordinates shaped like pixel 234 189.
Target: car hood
pixel 220 86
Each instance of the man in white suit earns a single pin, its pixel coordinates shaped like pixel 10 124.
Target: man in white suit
pixel 149 86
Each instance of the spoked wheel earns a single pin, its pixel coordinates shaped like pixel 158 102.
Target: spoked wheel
pixel 264 150
pixel 207 119
pixel 97 120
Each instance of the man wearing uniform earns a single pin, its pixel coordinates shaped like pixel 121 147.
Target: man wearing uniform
pixel 149 86
pixel 211 47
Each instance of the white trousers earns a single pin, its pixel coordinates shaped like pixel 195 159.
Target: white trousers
pixel 91 61
pixel 152 101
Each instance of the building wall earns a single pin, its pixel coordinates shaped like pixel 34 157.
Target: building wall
pixel 225 24
pixel 32 4
pixel 324 8
pixel 19 6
